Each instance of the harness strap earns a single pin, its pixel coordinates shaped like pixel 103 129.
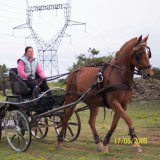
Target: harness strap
pixel 104 96
pixel 72 85
pixel 136 72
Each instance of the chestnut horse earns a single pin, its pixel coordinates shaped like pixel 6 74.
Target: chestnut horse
pixel 113 89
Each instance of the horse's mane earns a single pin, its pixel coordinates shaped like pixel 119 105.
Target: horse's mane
pixel 127 46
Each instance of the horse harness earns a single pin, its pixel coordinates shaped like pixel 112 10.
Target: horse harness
pixel 99 83
pixel 102 89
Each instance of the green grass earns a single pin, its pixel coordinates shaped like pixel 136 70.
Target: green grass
pixel 56 84
pixel 146 119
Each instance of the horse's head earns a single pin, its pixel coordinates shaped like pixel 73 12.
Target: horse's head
pixel 140 57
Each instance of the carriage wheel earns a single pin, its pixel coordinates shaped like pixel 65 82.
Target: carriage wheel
pixel 73 127
pixel 40 129
pixel 17 130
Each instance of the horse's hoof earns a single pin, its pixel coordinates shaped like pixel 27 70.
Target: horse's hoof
pixel 100 147
pixel 105 149
pixel 58 146
pixel 137 148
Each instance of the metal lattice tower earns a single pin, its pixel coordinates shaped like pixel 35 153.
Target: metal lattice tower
pixel 47 51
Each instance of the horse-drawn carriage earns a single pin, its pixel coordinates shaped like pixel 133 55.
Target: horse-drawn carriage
pixel 108 85
pixel 22 117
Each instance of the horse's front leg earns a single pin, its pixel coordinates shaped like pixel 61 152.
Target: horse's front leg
pixel 92 123
pixel 110 132
pixel 120 111
pixel 67 114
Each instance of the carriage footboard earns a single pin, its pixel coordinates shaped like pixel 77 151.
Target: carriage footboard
pixel 50 102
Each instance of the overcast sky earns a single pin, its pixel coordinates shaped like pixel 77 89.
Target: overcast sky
pixel 110 23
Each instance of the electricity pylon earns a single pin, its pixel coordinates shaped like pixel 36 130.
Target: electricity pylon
pixel 47 51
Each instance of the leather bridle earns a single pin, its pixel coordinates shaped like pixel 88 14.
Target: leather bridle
pixel 137 56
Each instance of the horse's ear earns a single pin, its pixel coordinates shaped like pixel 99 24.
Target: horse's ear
pixel 146 38
pixel 139 40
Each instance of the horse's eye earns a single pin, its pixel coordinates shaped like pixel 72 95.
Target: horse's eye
pixel 140 52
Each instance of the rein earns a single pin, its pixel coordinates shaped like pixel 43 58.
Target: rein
pixel 56 77
pixel 137 72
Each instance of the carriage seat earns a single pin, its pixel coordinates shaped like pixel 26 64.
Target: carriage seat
pixel 18 86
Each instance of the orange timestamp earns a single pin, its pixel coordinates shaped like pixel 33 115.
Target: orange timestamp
pixel 129 141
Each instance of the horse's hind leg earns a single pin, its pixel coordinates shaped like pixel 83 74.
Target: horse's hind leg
pixel 67 114
pixel 120 111
pixel 92 122
pixel 110 132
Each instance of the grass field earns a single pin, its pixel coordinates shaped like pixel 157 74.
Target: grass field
pixel 146 118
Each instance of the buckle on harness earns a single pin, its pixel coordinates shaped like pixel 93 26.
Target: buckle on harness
pixel 100 77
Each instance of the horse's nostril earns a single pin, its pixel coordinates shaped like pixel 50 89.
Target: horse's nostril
pixel 148 75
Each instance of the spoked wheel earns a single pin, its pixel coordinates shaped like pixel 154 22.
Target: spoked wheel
pixel 17 130
pixel 40 128
pixel 73 127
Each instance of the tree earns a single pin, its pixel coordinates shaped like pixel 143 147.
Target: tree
pixel 3 70
pixel 93 51
pixel 3 77
pixel 82 60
